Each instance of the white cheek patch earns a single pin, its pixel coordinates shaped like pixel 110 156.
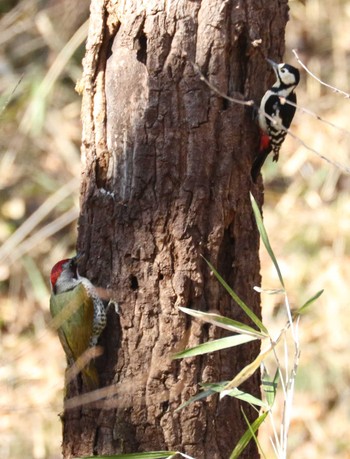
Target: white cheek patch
pixel 288 79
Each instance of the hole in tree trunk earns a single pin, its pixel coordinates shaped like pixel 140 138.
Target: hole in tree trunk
pixel 142 48
pixel 134 283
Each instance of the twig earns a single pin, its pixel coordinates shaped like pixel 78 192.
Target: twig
pixel 340 166
pixel 8 100
pixel 249 103
pixel 314 115
pixel 334 89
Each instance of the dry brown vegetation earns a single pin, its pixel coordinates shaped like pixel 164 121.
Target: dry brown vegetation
pixel 306 213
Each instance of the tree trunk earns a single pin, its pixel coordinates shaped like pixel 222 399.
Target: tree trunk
pixel 166 180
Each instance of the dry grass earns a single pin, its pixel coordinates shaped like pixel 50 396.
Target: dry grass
pixel 306 213
pixel 39 182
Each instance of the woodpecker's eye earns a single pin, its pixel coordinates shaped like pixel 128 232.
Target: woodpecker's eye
pixel 283 70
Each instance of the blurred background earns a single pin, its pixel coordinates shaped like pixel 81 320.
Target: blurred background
pixel 306 211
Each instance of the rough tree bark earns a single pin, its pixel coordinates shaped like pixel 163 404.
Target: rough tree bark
pixel 166 179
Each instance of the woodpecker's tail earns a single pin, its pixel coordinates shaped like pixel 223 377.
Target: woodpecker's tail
pixel 90 377
pixel 88 373
pixel 264 149
pixel 258 163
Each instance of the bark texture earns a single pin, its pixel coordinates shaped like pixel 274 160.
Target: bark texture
pixel 166 179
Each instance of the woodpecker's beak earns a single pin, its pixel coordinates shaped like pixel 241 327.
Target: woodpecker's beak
pixel 74 261
pixel 274 65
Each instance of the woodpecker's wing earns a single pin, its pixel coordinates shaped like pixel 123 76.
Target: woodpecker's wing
pixel 73 314
pixel 285 112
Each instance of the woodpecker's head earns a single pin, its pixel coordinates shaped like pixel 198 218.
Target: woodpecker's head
pixel 287 75
pixel 64 275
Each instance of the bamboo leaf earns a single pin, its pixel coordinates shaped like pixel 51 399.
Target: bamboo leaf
pixel 270 387
pixel 252 432
pixel 215 345
pixel 224 322
pixel 236 298
pixel 247 371
pixel 195 398
pixel 237 393
pixel 215 387
pixel 264 237
pixel 247 436
pixel 245 397
pixel 303 308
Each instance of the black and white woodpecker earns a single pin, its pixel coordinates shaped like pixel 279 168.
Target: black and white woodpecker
pixel 277 109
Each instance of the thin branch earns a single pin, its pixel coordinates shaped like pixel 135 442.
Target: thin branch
pixel 9 98
pixel 340 166
pixel 336 90
pixel 249 103
pixel 314 115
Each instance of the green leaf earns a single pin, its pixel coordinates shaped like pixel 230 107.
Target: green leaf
pixel 236 298
pixel 245 397
pixel 247 436
pixel 303 308
pixel 224 322
pixel 252 432
pixel 247 371
pixel 237 393
pixel 270 387
pixel 214 388
pixel 195 398
pixel 264 237
pixel 216 345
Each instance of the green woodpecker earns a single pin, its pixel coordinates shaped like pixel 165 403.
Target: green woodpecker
pixel 80 317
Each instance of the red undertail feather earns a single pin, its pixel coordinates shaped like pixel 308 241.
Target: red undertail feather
pixel 264 141
pixel 264 150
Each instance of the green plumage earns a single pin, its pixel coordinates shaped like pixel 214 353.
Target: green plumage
pixel 73 314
